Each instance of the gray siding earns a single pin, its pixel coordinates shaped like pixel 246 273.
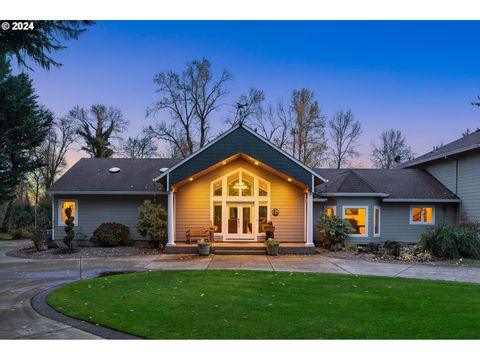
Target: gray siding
pixel 469 186
pixel 445 172
pixel 241 141
pixel 94 210
pixel 394 219
pixel 462 176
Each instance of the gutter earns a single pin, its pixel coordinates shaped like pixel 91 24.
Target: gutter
pixel 353 194
pixel 73 192
pixel 421 200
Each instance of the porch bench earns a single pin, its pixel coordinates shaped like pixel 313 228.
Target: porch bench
pixel 197 233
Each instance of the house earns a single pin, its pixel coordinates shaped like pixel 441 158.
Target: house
pixel 240 181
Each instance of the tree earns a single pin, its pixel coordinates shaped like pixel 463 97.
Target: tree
pixel 307 135
pixel 248 107
pixel 140 147
pixel 190 97
pixel 97 127
pixel 24 125
pixel 391 151
pixel 344 132
pixel 153 223
pixel 53 150
pixel 40 42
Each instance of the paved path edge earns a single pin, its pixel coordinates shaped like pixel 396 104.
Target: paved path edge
pixel 39 304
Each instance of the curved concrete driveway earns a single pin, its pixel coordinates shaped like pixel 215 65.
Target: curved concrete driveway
pixel 21 279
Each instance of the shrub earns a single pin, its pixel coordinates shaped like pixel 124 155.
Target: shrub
pixel 153 223
pixel 111 234
pixel 452 242
pixel 333 231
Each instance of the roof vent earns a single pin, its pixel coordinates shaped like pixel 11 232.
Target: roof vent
pixel 163 169
pixel 114 170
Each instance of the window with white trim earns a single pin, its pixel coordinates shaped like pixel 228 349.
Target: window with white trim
pixel 63 204
pixel 376 221
pixel 358 218
pixel 422 215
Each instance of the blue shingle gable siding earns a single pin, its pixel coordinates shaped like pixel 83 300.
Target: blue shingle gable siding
pixel 241 141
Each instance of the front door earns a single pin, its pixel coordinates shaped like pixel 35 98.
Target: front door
pixel 240 221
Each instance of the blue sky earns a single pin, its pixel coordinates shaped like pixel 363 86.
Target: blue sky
pixel 419 77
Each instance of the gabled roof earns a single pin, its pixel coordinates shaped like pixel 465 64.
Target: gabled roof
pixel 92 176
pixel 466 143
pixel 240 139
pixel 387 183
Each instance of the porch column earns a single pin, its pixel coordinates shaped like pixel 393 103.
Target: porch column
pixel 309 219
pixel 171 220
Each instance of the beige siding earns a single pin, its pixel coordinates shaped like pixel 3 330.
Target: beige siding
pixel 94 210
pixel 193 203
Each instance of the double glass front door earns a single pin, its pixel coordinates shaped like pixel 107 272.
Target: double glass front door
pixel 240 220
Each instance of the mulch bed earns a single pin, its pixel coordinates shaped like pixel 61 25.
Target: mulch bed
pixel 84 252
pixel 392 259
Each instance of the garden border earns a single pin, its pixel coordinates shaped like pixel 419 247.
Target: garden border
pixel 39 304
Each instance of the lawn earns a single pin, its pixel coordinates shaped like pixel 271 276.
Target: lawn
pixel 265 305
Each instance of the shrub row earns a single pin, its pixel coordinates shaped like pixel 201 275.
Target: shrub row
pixel 453 242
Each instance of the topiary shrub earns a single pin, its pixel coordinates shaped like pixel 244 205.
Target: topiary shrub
pixel 333 232
pixel 452 242
pixel 111 234
pixel 153 223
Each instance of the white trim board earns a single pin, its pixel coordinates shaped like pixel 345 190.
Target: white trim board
pixel 422 200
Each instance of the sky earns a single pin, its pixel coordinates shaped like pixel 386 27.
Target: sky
pixel 418 77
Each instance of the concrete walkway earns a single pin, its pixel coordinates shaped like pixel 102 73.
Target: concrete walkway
pixel 21 279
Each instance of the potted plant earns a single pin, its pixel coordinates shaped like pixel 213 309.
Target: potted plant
pixel 203 247
pixel 272 247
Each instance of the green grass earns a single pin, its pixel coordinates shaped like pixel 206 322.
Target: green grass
pixel 265 305
pixel 4 236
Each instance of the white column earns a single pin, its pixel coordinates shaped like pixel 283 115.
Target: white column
pixel 171 220
pixel 309 219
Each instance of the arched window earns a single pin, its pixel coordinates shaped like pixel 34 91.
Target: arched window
pixel 245 195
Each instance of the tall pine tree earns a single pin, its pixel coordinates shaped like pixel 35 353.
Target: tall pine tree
pixel 24 124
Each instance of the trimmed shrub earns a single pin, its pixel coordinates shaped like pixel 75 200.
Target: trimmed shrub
pixel 453 242
pixel 333 232
pixel 111 234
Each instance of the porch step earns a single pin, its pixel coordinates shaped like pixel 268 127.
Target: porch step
pixel 238 251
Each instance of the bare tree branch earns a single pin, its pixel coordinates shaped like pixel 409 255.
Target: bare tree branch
pixel 344 132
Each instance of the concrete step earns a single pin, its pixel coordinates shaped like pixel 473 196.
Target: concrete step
pixel 239 251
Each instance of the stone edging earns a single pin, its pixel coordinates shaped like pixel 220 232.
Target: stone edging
pixel 39 304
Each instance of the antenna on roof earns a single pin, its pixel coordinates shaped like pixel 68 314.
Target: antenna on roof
pixel 397 159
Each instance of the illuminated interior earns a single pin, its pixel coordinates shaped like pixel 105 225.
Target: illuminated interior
pixel 422 215
pixel 357 218
pixel 67 204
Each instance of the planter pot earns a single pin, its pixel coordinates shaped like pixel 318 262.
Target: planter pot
pixel 272 250
pixel 204 250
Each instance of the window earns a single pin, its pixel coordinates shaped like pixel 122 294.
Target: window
pixel 358 218
pixel 246 185
pixel 234 185
pixel 262 188
pixel 217 217
pixel 64 204
pixel 420 215
pixel 331 211
pixel 376 221
pixel 217 188
pixel 262 216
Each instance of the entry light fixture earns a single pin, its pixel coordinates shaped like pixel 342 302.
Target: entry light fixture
pixel 224 163
pixel 256 162
pixel 191 179
pixel 289 179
